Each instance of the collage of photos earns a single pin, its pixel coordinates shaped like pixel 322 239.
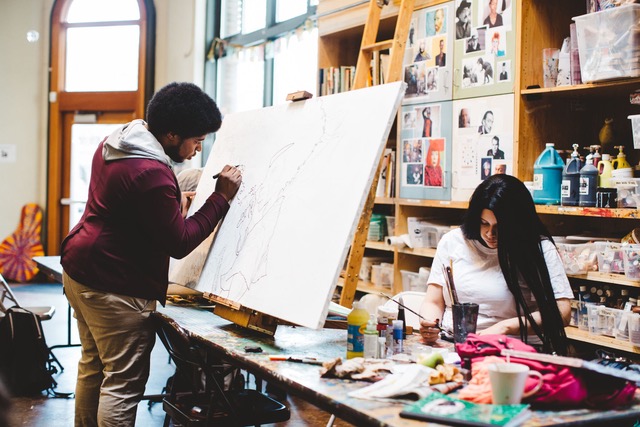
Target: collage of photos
pixel 426 55
pixel 483 139
pixel 423 147
pixel 484 45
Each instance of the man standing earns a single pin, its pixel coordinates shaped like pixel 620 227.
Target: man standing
pixel 116 259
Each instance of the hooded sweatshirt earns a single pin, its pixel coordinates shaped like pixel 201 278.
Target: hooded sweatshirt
pixel 132 223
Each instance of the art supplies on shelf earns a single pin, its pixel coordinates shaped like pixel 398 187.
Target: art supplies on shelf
pixel 448 410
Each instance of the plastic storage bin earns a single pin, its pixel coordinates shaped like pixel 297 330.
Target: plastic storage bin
pixel 635 128
pixel 578 258
pixel 610 257
pixel 631 261
pixel 628 191
pixel 382 275
pixel 634 328
pixel 425 233
pixel 608 44
pixel 412 281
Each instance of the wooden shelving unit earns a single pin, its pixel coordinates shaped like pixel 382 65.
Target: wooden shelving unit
pixel 562 115
pixel 601 340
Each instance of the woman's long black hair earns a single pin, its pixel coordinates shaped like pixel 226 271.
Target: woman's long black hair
pixel 520 232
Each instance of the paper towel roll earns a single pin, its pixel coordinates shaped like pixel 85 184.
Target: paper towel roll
pixel 399 241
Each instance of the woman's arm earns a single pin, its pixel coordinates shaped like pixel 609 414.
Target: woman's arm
pixel 512 326
pixel 432 310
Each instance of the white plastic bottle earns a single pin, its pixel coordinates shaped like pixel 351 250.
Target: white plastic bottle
pixel 371 339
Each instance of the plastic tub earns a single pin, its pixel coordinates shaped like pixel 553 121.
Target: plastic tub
pixel 608 43
pixel 634 328
pixel 635 127
pixel 578 258
pixel 412 281
pixel 610 257
pixel 631 261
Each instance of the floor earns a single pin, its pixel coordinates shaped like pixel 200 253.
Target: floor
pixel 44 411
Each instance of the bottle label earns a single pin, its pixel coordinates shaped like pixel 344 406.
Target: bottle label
pixel 565 188
pixel 584 185
pixel 538 181
pixel 355 339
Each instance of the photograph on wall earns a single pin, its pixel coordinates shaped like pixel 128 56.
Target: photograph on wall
pixel 489 40
pixel 477 42
pixel 482 141
pixel 463 19
pixel 433 171
pixel 496 42
pixel 428 119
pixel 495 13
pixel 426 65
pixel 477 71
pixel 503 71
pixel 426 142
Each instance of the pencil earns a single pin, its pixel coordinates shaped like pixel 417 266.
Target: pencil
pixel 216 176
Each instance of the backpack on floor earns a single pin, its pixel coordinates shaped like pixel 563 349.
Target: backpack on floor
pixel 25 365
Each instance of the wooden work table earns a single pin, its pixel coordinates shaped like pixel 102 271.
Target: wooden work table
pixel 229 341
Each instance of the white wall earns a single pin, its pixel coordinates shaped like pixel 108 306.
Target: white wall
pixel 24 88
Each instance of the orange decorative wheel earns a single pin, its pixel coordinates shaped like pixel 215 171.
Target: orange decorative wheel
pixel 17 251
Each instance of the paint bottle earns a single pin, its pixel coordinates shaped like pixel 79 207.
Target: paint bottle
pixel 371 338
pixel 589 182
pixel 547 176
pixel 620 162
pixel 570 191
pixel 604 171
pixel 398 341
pixel 356 323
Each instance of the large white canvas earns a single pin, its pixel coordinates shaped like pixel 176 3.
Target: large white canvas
pixel 307 169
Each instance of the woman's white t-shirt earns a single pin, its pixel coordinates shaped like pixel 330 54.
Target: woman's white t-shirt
pixel 478 278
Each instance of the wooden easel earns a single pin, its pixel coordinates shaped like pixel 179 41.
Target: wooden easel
pixel 394 74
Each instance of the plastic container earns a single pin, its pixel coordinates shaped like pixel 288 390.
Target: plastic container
pixel 547 177
pixel 605 167
pixel 635 127
pixel 578 258
pixel 634 328
pixel 570 190
pixel 382 275
pixel 425 233
pixel 412 281
pixel 610 257
pixel 588 185
pixel 391 225
pixel 628 191
pixel 356 323
pixel 607 43
pixel 631 261
pixel 377 228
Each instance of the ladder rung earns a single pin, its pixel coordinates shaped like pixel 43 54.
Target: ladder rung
pixel 385 44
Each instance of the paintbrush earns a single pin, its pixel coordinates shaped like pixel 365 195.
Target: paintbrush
pixel 452 286
pixel 297 359
pixel 403 306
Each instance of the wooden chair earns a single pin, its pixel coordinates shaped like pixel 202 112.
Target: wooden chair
pixel 205 402
pixel 8 300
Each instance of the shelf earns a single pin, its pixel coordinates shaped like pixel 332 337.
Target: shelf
pixel 433 203
pixel 623 86
pixel 368 287
pixel 424 252
pixel 384 201
pixel 381 246
pixel 601 340
pixel 592 212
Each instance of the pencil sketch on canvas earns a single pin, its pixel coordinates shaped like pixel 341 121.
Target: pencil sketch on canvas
pixel 307 167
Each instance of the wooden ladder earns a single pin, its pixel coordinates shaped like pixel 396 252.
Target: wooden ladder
pixel 393 74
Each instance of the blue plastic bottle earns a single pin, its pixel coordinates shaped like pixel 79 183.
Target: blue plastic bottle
pixel 547 177
pixel 570 192
pixel 589 181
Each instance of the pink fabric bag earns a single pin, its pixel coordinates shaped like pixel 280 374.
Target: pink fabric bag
pixel 563 387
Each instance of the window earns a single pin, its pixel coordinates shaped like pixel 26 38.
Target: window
pixel 270 50
pixel 102 57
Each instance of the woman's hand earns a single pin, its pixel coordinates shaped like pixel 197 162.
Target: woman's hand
pixel 429 331
pixel 185 203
